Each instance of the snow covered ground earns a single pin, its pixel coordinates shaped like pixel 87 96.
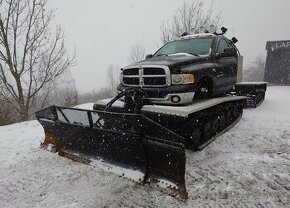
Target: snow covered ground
pixel 249 166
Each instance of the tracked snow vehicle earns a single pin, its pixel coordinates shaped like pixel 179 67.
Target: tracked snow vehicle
pixel 144 141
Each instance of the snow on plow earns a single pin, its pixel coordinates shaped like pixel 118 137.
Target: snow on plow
pixel 151 152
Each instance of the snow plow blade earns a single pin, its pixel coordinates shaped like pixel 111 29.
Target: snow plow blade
pixel 130 141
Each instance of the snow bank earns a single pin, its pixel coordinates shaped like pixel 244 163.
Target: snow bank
pixel 249 166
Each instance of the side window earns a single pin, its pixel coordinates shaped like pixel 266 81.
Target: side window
pixel 222 45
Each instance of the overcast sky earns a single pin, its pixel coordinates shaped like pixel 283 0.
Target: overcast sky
pixel 102 32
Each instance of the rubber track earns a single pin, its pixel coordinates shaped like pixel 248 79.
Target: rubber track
pixel 202 146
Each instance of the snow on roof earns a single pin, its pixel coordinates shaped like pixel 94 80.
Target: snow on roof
pixel 196 36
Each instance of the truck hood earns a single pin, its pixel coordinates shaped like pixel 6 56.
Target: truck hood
pixel 171 61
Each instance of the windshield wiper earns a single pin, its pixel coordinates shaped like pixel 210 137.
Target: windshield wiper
pixel 162 55
pixel 193 54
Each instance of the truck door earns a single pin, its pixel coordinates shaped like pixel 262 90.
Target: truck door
pixel 226 66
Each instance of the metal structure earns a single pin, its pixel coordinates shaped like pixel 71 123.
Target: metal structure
pixel 129 132
pixel 277 68
pixel 148 139
pixel 152 141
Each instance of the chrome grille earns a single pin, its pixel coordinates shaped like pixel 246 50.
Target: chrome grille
pixel 146 76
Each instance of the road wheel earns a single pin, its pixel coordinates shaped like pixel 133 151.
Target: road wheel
pixel 236 113
pixel 196 138
pixel 206 131
pixel 229 117
pixel 222 122
pixel 215 126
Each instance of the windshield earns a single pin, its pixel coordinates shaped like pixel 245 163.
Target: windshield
pixel 197 46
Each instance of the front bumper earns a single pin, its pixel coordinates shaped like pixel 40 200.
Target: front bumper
pixel 184 98
pixel 165 95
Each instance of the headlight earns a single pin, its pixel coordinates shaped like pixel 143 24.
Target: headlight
pixel 182 79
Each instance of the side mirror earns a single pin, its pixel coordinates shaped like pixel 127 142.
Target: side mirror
pixel 228 52
pixel 149 56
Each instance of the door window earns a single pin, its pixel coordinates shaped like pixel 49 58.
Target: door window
pixel 222 45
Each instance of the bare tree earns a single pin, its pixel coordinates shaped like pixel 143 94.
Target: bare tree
pixel 46 96
pixel 71 97
pixel 7 112
pixel 255 71
pixel 137 53
pixel 108 91
pixel 190 17
pixel 67 92
pixel 113 79
pixel 94 96
pixel 60 91
pixel 31 55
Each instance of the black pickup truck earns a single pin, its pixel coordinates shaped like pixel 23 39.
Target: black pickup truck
pixel 192 66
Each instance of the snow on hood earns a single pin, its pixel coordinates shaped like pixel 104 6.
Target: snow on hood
pixel 170 61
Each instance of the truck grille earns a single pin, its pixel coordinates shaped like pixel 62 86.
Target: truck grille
pixel 146 77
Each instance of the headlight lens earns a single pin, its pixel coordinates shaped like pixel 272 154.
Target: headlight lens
pixel 182 79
